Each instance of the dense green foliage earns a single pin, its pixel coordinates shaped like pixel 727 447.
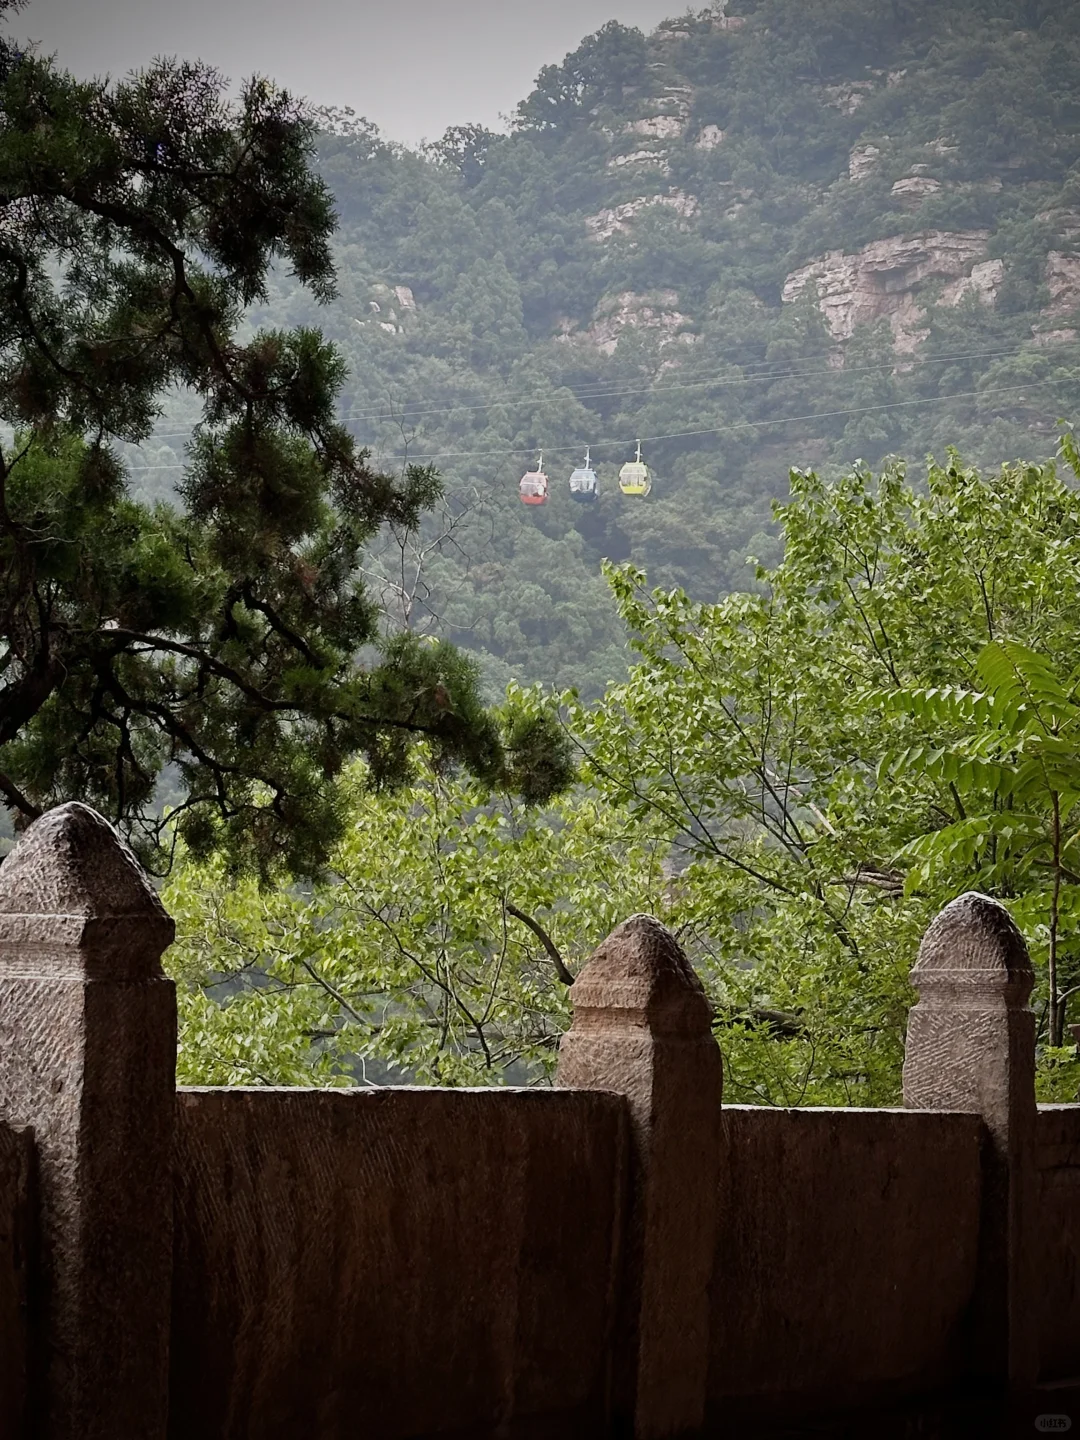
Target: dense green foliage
pixel 219 636
pixel 794 775
pixel 514 292
pixel 794 779
pixel 1009 751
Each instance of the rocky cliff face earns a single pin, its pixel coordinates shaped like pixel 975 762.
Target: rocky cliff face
pixel 656 312
pixel 391 307
pixel 606 223
pixel 888 278
pixel 677 170
pixel 676 147
pixel 1063 281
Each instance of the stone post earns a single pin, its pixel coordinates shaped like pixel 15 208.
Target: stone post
pixel 88 1060
pixel 971 1046
pixel 642 1027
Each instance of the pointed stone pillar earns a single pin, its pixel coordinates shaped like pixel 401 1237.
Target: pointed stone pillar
pixel 971 1046
pixel 642 1026
pixel 88 1060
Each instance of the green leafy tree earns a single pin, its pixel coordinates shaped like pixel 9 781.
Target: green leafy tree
pixel 465 149
pixel 1010 751
pixel 602 67
pixel 943 90
pixel 789 777
pixel 439 951
pixel 819 825
pixel 221 638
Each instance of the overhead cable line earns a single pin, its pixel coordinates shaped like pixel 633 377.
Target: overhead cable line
pixel 721 429
pixel 726 383
pixel 391 416
pixel 382 457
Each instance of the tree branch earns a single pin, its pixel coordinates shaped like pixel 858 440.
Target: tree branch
pixel 545 940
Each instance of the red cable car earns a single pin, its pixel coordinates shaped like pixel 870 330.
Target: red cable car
pixel 533 486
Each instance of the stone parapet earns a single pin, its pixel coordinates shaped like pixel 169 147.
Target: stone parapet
pixel 87 1061
pixel 642 1027
pixel 971 1046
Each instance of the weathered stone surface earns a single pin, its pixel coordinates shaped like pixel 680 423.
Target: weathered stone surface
pixel 971 1046
pixel 606 223
pixel 912 190
pixel 657 127
pixel 636 159
pixel 884 279
pixel 16 1276
pixel 845 1259
pixel 974 977
pixel 847 97
pixel 984 282
pixel 1049 338
pixel 1057 1150
pixel 615 315
pixel 395 1263
pixel 66 893
pixel 642 1026
pixel 87 1059
pixel 1063 282
pixel 863 161
pixel 709 137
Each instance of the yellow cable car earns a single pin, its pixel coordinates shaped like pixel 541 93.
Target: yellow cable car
pixel 634 476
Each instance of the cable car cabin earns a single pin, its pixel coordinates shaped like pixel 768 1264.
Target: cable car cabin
pixel 533 486
pixel 634 476
pixel 583 482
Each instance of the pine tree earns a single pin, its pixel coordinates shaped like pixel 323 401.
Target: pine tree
pixel 224 641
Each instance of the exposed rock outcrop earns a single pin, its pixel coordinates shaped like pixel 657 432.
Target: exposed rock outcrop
pixel 1065 221
pixel 718 20
pixel 862 161
pixel 885 278
pixel 710 137
pixel 984 282
pixel 654 159
pixel 912 190
pixel 657 127
pixel 847 97
pixel 390 307
pixel 1063 281
pixel 629 310
pixel 609 222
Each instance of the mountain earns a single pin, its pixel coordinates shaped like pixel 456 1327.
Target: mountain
pixel 776 233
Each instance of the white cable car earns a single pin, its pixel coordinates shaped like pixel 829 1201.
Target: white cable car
pixel 583 482
pixel 533 486
pixel 634 476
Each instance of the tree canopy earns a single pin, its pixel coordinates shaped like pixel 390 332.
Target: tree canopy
pixel 795 778
pixel 617 265
pixel 225 641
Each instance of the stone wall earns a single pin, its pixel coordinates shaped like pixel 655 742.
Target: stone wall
pixel 618 1257
pixel 16 1254
pixel 1058 1159
pixel 394 1263
pixel 846 1259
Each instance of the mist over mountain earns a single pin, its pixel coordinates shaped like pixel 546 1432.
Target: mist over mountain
pixel 768 235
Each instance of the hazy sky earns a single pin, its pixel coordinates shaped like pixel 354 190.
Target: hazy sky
pixel 414 67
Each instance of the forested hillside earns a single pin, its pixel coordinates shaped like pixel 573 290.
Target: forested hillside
pixel 778 233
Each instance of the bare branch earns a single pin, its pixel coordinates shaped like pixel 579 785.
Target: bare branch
pixel 545 939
